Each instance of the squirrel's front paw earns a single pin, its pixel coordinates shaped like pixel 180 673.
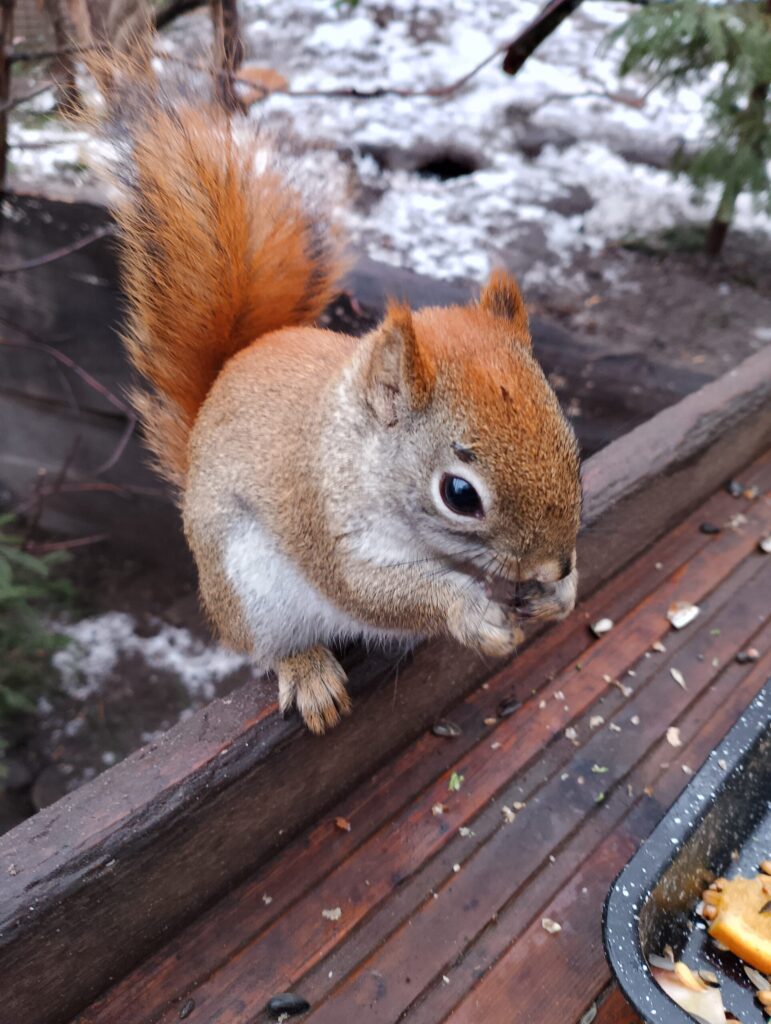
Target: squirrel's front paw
pixel 315 682
pixel 485 626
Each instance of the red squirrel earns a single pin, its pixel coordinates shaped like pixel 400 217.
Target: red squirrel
pixel 396 486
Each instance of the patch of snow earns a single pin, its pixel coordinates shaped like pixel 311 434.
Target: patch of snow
pixel 99 642
pixel 566 122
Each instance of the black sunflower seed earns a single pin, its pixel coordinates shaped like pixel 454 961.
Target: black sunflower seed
pixel 508 706
pixel 734 488
pixel 287 1002
pixel 186 1009
pixel 709 528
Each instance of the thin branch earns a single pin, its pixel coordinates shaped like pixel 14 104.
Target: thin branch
pixel 94 384
pixel 65 545
pixel 16 101
pixel 58 254
pixel 32 55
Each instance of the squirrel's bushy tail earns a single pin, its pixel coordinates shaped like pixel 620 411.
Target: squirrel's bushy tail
pixel 219 246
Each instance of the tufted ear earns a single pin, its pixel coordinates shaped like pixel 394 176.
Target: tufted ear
pixel 400 377
pixel 502 298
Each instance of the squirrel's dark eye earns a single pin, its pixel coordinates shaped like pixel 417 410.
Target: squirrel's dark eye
pixel 460 497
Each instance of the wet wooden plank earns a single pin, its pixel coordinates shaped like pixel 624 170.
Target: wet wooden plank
pixel 387 983
pixel 612 1008
pixel 243 914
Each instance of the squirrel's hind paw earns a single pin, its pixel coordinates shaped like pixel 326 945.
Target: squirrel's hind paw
pixel 314 681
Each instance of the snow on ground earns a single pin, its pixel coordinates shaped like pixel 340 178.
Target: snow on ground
pixel 566 162
pixel 98 643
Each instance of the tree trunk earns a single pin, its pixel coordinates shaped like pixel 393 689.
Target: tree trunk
pixel 6 40
pixel 62 67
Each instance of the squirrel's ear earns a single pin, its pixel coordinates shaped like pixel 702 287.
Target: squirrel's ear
pixel 399 376
pixel 502 298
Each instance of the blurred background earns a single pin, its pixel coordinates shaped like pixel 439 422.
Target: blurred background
pixel 614 156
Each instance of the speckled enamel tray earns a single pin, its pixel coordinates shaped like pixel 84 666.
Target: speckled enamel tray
pixel 720 825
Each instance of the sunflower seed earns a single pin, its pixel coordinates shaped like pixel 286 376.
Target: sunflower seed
pixel 734 488
pixel 447 729
pixel 709 528
pixel 508 707
pixel 709 977
pixel 289 1003
pixel 590 1014
pixel 673 736
pixel 332 915
pixel 186 1009
pixel 765 545
pixel 662 962
pixel 745 657
pixel 550 926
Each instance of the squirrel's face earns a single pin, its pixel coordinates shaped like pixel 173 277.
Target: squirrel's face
pixel 486 468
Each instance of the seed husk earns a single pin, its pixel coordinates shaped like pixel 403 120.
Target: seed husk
pixel 681 613
pixel 760 981
pixel 186 1009
pixel 735 488
pixel 709 528
pixel 287 1002
pixel 590 1014
pixel 601 627
pixel 662 962
pixel 709 977
pixel 765 545
pixel 447 729
pixel 508 706
pixel 552 927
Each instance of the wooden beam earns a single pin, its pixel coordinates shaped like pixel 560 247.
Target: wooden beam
pixel 95 882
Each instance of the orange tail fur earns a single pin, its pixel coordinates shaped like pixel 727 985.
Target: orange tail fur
pixel 219 247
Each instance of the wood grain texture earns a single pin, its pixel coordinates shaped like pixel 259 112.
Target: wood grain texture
pixel 236 956
pixel 100 878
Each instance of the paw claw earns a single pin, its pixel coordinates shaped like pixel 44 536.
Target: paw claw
pixel 315 682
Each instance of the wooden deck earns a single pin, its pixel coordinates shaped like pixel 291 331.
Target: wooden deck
pixel 440 894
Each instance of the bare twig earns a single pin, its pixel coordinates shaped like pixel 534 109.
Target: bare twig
pixel 15 101
pixel 165 15
pixel 58 254
pixel 95 385
pixel 46 548
pixel 542 26
pixel 17 56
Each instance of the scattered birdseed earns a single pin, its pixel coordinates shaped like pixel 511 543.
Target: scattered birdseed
pixel 738 521
pixel 687 770
pixel 765 544
pixel 448 730
pixel 715 662
pixel 708 977
pixel 267 900
pixel 491 721
pixel 343 824
pixel 599 769
pixel 559 695
pixel 681 613
pixel 750 493
pixel 580 780
pixel 627 691
pixel 658 565
pixel 601 626
pixel 564 777
pixel 456 868
pixel 758 980
pixel 734 488
pixel 635 719
pixel 186 1009
pixel 438 810
pixel 465 832
pixel 333 914
pixel 518 805
pixel 496 746
pixel 658 646
pixel 678 677
pixel 673 736
pixel 550 926
pixel 596 721
pixel 614 728
pixel 722 763
pixel 445 979
pixel 599 798
pixel 508 814
pixel 456 781
pixel 571 734
pixel 607 679
pixel 542 704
